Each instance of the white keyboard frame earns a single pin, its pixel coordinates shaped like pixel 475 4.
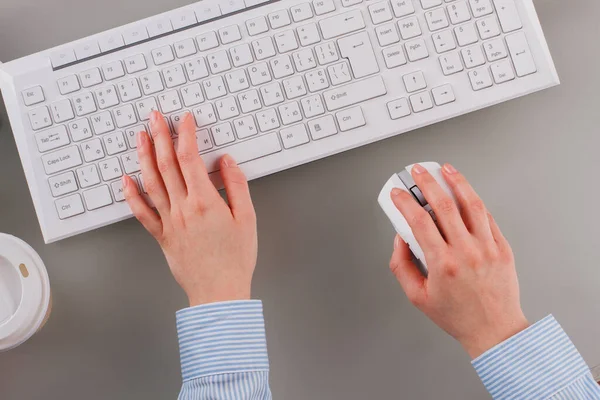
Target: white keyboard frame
pixel 36 69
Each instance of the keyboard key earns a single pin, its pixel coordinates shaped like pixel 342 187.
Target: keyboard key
pixel 317 80
pixel 309 34
pixel 151 83
pixel 69 206
pixel 203 140
pixel 312 106
pixel 304 60
pixel 40 118
pixel 267 120
pixel 263 48
pixel 110 42
pixel 402 8
pixel 145 106
pixel 409 28
pixel 62 57
pixel 387 34
pixel 62 184
pixel 214 88
pixel 508 15
pixel 162 55
pixel 80 130
pixel 227 108
pixel 272 94
pixel 290 113
pixel 102 123
pixel 182 19
pixel 117 189
pixel 110 169
pixel 359 51
pixel 480 78
pixel 249 150
pixel 245 127
pixel 204 115
pixel 88 176
pixel 294 136
pixel 237 81
pixel 113 70
pixel 282 67
pixel 416 50
pixel 159 27
pixel 521 54
pixel 230 6
pixel 174 76
pixel 61 160
pixel 208 11
pixel 394 56
pixel 459 12
pixel 230 34
pixel 342 24
pixel 134 34
pixel 259 74
pixel 414 81
pixel 185 48
pixel 355 93
pixel 350 118
pixel 256 26
pixel 249 101
pixel 436 19
pixel 481 7
pixel 286 41
pixel 327 53
pixel 52 138
pixel 488 27
pixel 86 49
pixel 169 101
pixel 92 150
pixel 90 77
pixel 196 69
pixel 294 87
pixel 222 134
pixel 466 34
pixel 35 95
pixel 130 162
pixel 219 62
pixel 301 12
pixel 502 72
pixel 207 41
pixel 421 102
pixel 84 104
pixel 322 127
pixel 62 111
pixel 192 95
pixel 97 198
pixel 350 3
pixel 398 108
pixel 443 95
pixel 66 85
pixel 241 55
pixel 444 41
pixel 380 12
pixel 129 90
pixel 323 6
pixel 107 97
pixel 135 63
pixel 124 116
pixel 495 50
pixel 451 64
pixel 426 4
pixel 473 56
pixel 279 19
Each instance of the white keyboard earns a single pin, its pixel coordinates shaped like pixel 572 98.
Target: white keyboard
pixel 273 83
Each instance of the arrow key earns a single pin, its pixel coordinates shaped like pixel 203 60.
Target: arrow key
pixel 414 81
pixel 443 95
pixel 421 101
pixel 398 108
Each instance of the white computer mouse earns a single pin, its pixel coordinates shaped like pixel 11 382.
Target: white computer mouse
pixel 403 180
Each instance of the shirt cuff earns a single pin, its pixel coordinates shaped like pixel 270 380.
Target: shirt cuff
pixel 221 338
pixel 534 364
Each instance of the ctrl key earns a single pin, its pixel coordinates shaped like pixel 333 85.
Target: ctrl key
pixel 69 206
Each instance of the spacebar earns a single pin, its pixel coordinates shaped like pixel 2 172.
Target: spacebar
pixel 248 150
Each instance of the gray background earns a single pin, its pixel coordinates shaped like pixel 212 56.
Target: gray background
pixel 338 325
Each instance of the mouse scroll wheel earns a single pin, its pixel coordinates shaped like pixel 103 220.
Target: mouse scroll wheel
pixel 416 192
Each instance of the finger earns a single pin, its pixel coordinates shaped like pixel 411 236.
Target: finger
pixel 153 182
pixel 165 157
pixel 446 211
pixel 236 186
pixel 192 167
pixel 406 272
pixel 427 234
pixel 140 209
pixel 495 230
pixel 474 213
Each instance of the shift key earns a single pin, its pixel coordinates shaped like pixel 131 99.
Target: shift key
pixel 354 93
pixel 61 160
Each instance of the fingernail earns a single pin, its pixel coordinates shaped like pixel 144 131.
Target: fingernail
pixel 125 182
pixel 228 161
pixel 140 139
pixel 396 241
pixel 418 169
pixel 450 169
pixel 396 192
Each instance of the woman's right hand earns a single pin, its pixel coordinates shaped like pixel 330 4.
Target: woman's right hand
pixel 472 291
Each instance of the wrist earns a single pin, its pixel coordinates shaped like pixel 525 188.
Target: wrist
pixel 197 299
pixel 489 337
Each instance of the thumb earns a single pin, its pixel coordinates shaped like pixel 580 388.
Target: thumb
pixel 406 272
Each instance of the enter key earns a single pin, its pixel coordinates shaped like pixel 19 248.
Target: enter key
pixel 359 52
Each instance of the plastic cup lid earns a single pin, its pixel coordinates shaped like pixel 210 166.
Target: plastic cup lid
pixel 24 291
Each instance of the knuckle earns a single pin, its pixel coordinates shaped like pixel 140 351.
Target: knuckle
pixel 445 205
pixel 476 204
pixel 163 165
pixel 151 186
pixel 185 157
pixel 420 220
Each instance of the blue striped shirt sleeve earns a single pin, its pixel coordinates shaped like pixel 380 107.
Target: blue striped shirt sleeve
pixel 224 351
pixel 539 363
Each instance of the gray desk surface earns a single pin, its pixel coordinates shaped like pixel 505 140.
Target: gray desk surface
pixel 338 325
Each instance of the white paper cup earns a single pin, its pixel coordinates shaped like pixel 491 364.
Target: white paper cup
pixel 25 300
